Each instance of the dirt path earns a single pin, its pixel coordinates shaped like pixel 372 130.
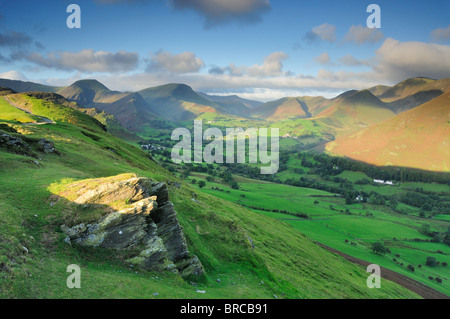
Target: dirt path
pixel 45 120
pixel 411 284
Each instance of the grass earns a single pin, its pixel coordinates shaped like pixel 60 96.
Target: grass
pixel 218 231
pixel 333 227
pixel 11 114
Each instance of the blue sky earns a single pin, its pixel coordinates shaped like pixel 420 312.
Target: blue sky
pixel 260 49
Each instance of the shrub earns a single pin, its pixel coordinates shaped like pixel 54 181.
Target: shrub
pixel 431 262
pixel 410 267
pixel 379 248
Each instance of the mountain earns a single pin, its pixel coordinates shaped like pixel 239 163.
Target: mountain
pixel 290 108
pixel 254 255
pixel 417 138
pixel 48 108
pixel 411 93
pixel 178 102
pixel 233 104
pixel 88 92
pixel 129 109
pixel 354 110
pixel 22 86
pixel 231 99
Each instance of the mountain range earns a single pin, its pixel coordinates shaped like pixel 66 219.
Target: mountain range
pixel 351 123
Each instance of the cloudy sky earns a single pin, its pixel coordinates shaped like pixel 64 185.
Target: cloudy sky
pixel 258 49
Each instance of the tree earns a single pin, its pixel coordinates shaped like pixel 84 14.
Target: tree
pixel 379 248
pixel 431 262
pixel 234 185
pixel 393 203
pixel 194 181
pixel 410 268
pixel 348 200
pixel 201 184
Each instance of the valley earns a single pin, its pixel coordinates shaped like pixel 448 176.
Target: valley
pixel 245 227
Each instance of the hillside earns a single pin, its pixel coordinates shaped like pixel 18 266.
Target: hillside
pixel 254 256
pixel 178 102
pixel 354 110
pixel 417 138
pixel 290 108
pixel 22 86
pixel 128 108
pixel 233 104
pixel 411 93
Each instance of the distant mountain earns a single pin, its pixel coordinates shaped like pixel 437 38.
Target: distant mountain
pixel 417 138
pixel 21 86
pixel 411 93
pixel 129 109
pixel 354 110
pixel 88 92
pixel 290 108
pixel 233 104
pixel 379 90
pixel 178 102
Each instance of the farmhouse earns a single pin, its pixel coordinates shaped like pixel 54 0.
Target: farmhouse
pixel 380 181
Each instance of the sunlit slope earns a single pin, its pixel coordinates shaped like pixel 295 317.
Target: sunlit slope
pixel 254 256
pixel 290 108
pixel 129 109
pixel 355 110
pixel 411 93
pixel 417 138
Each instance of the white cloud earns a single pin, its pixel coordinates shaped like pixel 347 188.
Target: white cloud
pixel 177 63
pixel 349 60
pixel 86 60
pixel 323 59
pixel 272 66
pixel 393 62
pixel 324 31
pixel 441 34
pixel 13 75
pixel 401 60
pixel 360 34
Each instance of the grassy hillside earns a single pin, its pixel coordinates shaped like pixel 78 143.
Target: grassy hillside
pixel 350 224
pixel 24 86
pixel 291 108
pixel 34 257
pixel 177 102
pixel 356 110
pixel 411 93
pixel 417 138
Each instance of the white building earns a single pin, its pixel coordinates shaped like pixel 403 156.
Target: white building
pixel 380 181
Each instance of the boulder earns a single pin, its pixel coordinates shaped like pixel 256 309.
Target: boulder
pixel 15 144
pixel 47 146
pixel 148 222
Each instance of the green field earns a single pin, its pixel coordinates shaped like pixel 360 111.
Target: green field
pixel 334 227
pixel 34 256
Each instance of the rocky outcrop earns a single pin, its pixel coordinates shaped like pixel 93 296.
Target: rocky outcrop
pixel 47 146
pixel 16 145
pixel 146 221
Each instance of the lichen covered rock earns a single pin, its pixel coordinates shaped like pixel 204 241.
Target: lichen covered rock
pixel 147 221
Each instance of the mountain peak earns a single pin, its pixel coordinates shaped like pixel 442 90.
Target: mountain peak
pixel 90 84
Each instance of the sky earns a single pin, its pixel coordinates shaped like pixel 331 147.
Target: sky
pixel 257 49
